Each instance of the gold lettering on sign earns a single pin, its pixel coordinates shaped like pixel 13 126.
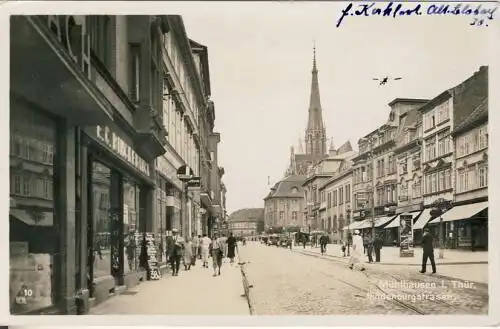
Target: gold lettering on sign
pixel 120 146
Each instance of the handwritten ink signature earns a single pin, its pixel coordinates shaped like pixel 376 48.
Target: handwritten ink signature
pixel 394 10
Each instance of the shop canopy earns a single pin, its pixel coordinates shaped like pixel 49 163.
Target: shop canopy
pixel 396 221
pixel 423 219
pixel 461 212
pixel 353 226
pixel 383 220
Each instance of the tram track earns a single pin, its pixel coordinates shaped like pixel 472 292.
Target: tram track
pixel 430 301
pixel 396 302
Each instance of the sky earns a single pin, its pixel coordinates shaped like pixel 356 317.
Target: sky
pixel 260 69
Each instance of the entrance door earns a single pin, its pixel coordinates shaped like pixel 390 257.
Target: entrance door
pixel 99 229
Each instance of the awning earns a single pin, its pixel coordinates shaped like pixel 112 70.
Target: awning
pixel 383 220
pixel 394 223
pixel 354 225
pixel 461 212
pixel 423 219
pixel 32 218
pixel 366 223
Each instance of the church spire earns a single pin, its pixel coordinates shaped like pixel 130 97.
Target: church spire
pixel 315 133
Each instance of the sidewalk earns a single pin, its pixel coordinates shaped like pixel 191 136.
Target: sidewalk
pixel 194 292
pixel 461 265
pixel 390 256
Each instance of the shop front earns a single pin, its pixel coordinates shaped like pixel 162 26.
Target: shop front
pixel 51 94
pixel 465 226
pixel 120 202
pixel 168 202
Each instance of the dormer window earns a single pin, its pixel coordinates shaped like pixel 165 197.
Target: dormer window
pixel 391 116
pixel 295 190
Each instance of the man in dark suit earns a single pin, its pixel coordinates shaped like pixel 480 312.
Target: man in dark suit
pixel 428 248
pixel 174 251
pixel 377 246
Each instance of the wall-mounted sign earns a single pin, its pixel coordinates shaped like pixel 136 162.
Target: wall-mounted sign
pixel 73 37
pixel 168 170
pixel 120 146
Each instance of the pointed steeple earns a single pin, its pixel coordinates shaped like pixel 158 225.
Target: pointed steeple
pixel 315 133
pixel 332 146
pixel 292 168
pixel 301 146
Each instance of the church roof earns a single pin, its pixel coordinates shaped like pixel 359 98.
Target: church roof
pixel 247 214
pixel 289 187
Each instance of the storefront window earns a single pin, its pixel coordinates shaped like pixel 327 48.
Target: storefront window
pixel 101 188
pixel 132 230
pixel 33 237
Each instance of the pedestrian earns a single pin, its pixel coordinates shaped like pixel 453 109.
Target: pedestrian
pixel 199 246
pixel 188 254
pixel 377 246
pixel 223 240
pixel 428 249
pixel 195 245
pixel 231 246
pixel 216 253
pixel 175 251
pixel 205 245
pixel 323 241
pixel 369 248
pixel 365 243
pixel 356 254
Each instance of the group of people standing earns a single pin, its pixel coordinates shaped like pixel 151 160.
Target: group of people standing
pixel 200 247
pixel 361 246
pixel 374 243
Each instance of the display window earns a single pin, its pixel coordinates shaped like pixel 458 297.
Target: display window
pixel 32 229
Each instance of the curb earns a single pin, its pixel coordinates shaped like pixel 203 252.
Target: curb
pixel 408 264
pixel 246 284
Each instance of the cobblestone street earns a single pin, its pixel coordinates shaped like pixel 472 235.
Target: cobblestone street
pixel 290 282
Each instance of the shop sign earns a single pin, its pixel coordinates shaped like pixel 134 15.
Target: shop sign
pixel 168 170
pixel 125 151
pixel 73 37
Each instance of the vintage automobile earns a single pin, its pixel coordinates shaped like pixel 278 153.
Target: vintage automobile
pixel 273 240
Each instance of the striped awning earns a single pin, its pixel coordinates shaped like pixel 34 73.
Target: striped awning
pixel 423 219
pixel 461 212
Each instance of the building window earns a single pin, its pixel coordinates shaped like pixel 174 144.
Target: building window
pixel 392 164
pixel 380 196
pixel 135 72
pixel 483 137
pixel 341 195
pixel 348 193
pixel 334 198
pixel 329 200
pixel 430 148
pixel 294 216
pixel 100 37
pixel 429 120
pixel 444 143
pixel 417 187
pixel 282 216
pixel 483 175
